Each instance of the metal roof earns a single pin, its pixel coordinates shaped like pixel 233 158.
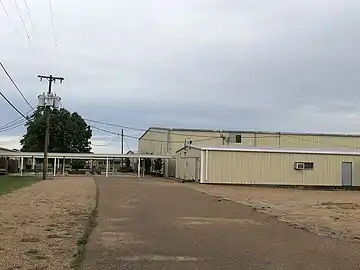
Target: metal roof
pixel 337 151
pixel 7 150
pixel 160 129
pixel 81 155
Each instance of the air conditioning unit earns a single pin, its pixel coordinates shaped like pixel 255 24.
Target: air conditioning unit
pixel 299 166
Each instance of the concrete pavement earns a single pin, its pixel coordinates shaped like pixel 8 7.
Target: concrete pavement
pixel 157 224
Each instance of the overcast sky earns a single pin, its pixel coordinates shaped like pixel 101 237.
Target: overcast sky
pixel 264 65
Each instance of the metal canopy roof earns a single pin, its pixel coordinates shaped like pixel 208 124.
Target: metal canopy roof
pixel 81 155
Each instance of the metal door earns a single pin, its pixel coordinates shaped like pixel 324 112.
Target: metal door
pixel 197 169
pixel 346 174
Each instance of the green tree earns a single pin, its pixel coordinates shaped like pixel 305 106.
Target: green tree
pixel 68 132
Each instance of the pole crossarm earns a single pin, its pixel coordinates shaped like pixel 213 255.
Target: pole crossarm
pixel 51 78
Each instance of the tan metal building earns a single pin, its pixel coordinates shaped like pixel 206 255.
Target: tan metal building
pixel 268 166
pixel 161 141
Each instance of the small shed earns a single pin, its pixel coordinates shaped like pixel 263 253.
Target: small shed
pixel 269 166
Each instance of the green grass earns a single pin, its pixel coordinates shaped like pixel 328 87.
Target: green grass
pixel 10 183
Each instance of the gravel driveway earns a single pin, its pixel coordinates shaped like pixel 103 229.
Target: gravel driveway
pixel 40 224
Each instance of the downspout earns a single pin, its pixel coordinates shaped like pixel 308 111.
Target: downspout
pixel 207 165
pixel 202 166
pixel 107 167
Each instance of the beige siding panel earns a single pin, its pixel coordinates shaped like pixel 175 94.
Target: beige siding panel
pixel 267 140
pixel 154 141
pixel 187 164
pixel 247 139
pixel 319 141
pixel 172 168
pixel 277 168
pixel 178 138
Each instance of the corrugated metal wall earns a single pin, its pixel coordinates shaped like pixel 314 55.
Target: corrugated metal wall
pixel 155 140
pixel 277 168
pixel 188 164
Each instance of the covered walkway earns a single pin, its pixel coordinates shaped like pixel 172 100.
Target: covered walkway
pixel 140 158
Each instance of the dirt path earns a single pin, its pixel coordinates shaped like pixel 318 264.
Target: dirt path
pixel 40 224
pixel 154 224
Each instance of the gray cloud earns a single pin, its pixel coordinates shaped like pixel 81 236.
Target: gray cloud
pixel 265 65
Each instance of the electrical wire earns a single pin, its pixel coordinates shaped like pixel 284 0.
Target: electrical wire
pixel 144 130
pixel 127 145
pixel 7 14
pixel 13 127
pixel 113 125
pixel 133 137
pixel 106 144
pixel 22 21
pixel 12 105
pixel 21 122
pixel 29 14
pixel 11 122
pixel 53 23
pixel 17 88
pixel 15 121
pixel 203 136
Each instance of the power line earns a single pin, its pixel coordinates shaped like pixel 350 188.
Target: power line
pixel 11 122
pixel 29 13
pixel 17 88
pixel 133 137
pixel 7 14
pixel 114 125
pixel 166 131
pixel 106 144
pixel 22 21
pixel 143 129
pixel 203 136
pixel 9 102
pixel 127 145
pixel 22 121
pixel 13 127
pixel 53 23
pixel 17 120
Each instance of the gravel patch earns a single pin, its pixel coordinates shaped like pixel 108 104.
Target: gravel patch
pixel 331 213
pixel 40 224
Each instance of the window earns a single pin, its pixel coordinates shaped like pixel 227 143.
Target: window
pixel 309 165
pixel 304 165
pixel 234 138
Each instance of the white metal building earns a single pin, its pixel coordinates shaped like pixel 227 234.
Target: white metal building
pixel 268 166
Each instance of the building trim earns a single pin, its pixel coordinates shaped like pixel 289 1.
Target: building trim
pixel 153 128
pixel 253 131
pixel 82 155
pixel 344 152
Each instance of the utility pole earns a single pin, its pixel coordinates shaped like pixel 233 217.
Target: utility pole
pixel 122 141
pixel 49 101
pixel 122 148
